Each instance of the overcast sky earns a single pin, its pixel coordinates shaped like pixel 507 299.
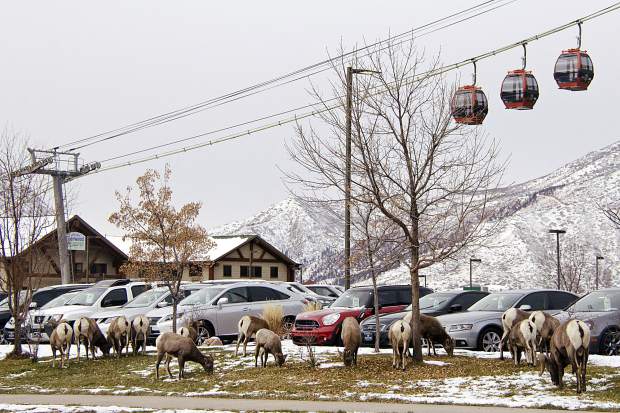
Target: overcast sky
pixel 71 69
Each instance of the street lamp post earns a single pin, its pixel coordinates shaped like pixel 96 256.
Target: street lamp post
pixel 347 184
pixel 471 260
pixel 557 233
pixel 598 258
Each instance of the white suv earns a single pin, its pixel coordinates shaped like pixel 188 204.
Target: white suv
pixel 220 307
pixel 103 295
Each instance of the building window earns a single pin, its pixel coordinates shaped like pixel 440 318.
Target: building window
pixel 227 271
pixel 257 272
pixel 99 268
pixel 243 271
pixel 273 272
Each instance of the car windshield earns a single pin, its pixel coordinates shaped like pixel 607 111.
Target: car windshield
pixel 203 296
pixel 354 299
pixel 86 297
pixel 5 302
pixel 598 301
pixel 436 300
pixel 146 298
pixel 496 302
pixel 60 300
pixel 322 290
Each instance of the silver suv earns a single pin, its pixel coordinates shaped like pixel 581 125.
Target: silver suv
pixel 220 307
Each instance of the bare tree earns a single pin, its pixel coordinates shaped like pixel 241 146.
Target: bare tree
pixel 429 176
pixel 164 240
pixel 612 212
pixel 25 216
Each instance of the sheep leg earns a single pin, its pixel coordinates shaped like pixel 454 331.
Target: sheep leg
pixel 355 357
pixel 428 346
pixel 78 342
pixel 434 349
pixel 53 356
pixel 160 356
pixel 181 361
pixel 256 354
pixel 404 355
pixel 246 338
pixel 501 344
pixel 394 354
pixel 264 357
pixel 241 337
pixel 127 340
pixel 168 359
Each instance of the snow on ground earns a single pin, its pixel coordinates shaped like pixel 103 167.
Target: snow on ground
pixel 46 351
pixel 58 408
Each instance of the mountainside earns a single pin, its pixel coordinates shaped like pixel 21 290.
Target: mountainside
pixel 518 254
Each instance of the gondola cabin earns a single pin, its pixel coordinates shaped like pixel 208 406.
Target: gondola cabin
pixel 469 105
pixel 574 70
pixel 519 90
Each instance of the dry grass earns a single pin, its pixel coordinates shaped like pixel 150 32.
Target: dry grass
pixel 274 315
pixel 312 306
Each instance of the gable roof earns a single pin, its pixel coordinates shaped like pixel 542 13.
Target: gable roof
pixel 225 244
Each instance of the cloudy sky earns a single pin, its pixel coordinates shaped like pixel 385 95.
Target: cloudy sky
pixel 72 69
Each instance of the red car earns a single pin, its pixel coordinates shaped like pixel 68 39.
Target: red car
pixel 322 327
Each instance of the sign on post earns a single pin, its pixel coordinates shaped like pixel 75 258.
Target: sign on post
pixel 76 241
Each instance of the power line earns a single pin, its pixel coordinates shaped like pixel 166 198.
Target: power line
pixel 326 108
pixel 276 82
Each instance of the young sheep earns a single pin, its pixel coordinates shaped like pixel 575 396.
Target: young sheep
pixel 268 342
pixel 189 332
pixel 139 333
pixel 433 332
pixel 184 349
pixel 87 332
pixel 400 336
pixel 60 340
pixel 569 345
pixel 118 335
pixel 522 337
pixel 351 336
pixel 545 326
pixel 510 317
pixel 213 341
pixel 247 327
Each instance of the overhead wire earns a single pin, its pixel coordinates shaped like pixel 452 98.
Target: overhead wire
pixel 277 82
pixel 437 71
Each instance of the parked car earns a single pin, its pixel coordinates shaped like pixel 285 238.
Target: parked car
pixel 220 307
pixel 600 310
pixel 322 327
pixel 434 304
pixel 40 298
pixel 325 290
pixel 480 327
pixel 159 297
pixel 103 295
pixel 325 300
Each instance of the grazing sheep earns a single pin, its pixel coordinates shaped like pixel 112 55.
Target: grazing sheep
pixel 184 349
pixel 433 332
pixel 247 327
pixel 510 317
pixel 569 345
pixel 119 334
pixel 268 342
pixel 213 341
pixel 400 337
pixel 522 337
pixel 139 333
pixel 189 332
pixel 87 332
pixel 60 340
pixel 351 336
pixel 545 326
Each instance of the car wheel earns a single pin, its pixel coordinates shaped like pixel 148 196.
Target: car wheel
pixel 489 340
pixel 3 339
pixel 610 342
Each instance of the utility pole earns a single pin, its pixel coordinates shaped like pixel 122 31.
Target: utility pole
pixel 347 182
pixel 64 167
pixel 598 258
pixel 557 233
pixel 472 260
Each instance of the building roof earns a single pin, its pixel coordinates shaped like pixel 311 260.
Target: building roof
pixel 225 244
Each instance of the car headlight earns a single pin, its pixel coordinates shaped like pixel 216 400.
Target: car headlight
pixel 11 320
pixel 330 319
pixel 56 317
pixel 460 327
pixel 165 318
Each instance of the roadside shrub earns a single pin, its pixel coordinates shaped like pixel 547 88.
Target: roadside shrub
pixel 312 306
pixel 273 315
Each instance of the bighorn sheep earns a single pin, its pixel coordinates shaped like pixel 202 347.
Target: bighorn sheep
pixel 60 340
pixel 522 337
pixel 189 332
pixel 432 331
pixel 118 335
pixel 569 345
pixel 87 331
pixel 510 317
pixel 545 326
pixel 268 342
pixel 400 336
pixel 139 333
pixel 213 341
pixel 184 349
pixel 351 336
pixel 247 327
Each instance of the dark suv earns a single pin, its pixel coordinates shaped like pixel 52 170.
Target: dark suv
pixel 323 326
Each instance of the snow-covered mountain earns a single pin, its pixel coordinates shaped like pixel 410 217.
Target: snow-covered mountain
pixel 515 257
